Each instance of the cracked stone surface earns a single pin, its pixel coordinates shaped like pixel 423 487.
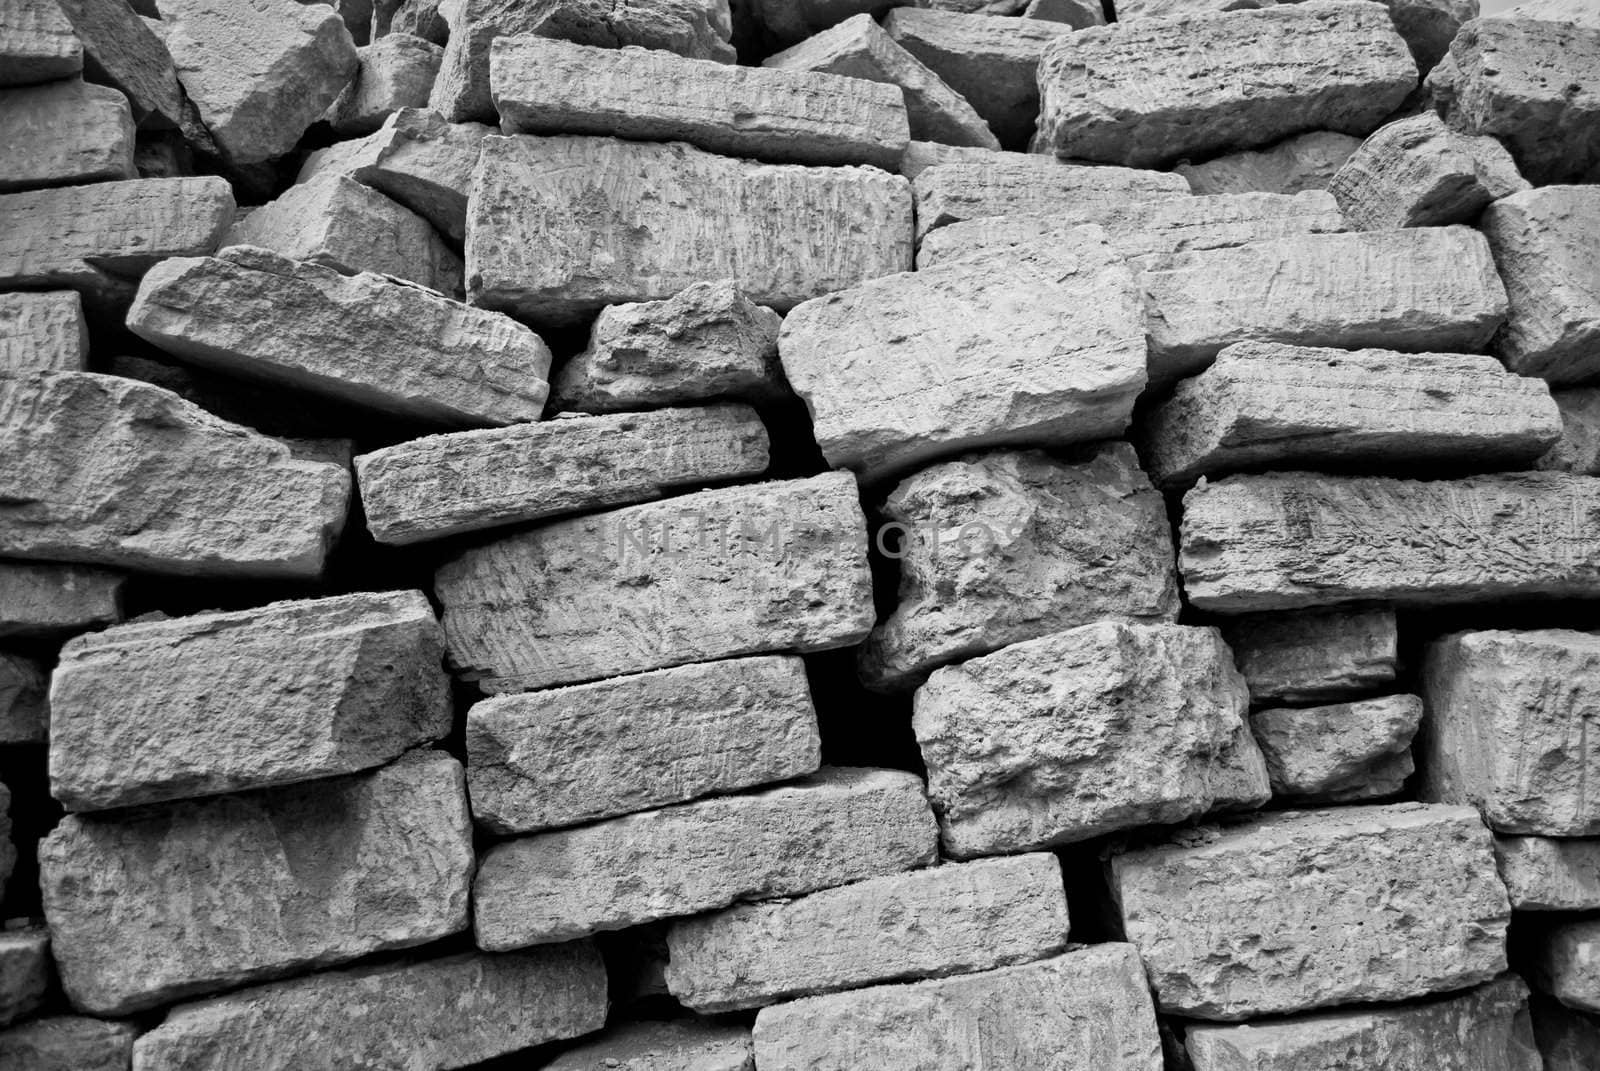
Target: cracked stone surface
pixel 1339 753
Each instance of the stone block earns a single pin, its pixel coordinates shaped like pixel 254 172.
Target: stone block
pixel 1550 874
pixel 1417 172
pixel 1314 655
pixel 1578 451
pixel 1294 165
pixel 43 332
pixel 37 45
pixel 1339 753
pixel 63 134
pixel 1564 961
pixel 25 971
pixel 24 700
pixel 1546 245
pixel 396 71
pixel 68 1043
pixel 673 1045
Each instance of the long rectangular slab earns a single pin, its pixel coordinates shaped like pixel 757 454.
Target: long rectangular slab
pixel 1316 654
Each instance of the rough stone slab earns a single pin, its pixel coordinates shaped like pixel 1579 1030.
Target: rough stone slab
pixel 397 71
pixel 707 341
pixel 225 702
pixel 989 60
pixel 99 239
pixel 1568 1040
pixel 439 1013
pixel 1085 732
pixel 952 919
pixel 43 332
pixel 1314 655
pixel 325 872
pixel 859 48
pixel 1550 874
pixel 549 239
pixel 1265 405
pixel 542 86
pixel 1042 345
pixel 37 44
pixel 1009 184
pixel 68 1043
pixel 675 1045
pixel 366 339
pixel 1508 717
pixel 1294 165
pixel 1145 231
pixel 778 566
pixel 64 133
pixel 1431 289
pixel 1419 173
pixel 1146 93
pixel 115 472
pixel 1578 451
pixel 836 826
pixel 1546 243
pixel 24 971
pixel 24 700
pixel 564 755
pixel 1565 962
pixel 994 554
pixel 1088 1010
pixel 1309 909
pixel 1486 1029
pixel 1339 753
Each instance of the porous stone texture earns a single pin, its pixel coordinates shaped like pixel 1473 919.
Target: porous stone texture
pixel 674 1045
pixel 1029 346
pixel 839 825
pixel 1550 874
pixel 43 332
pixel 1339 753
pixel 1294 165
pixel 1270 405
pixel 1309 909
pixel 144 906
pixel 1507 731
pixel 707 341
pixel 68 1043
pixel 365 339
pixel 39 600
pixel 24 971
pixel 1578 451
pixel 111 471
pixel 1087 1010
pixel 995 550
pixel 560 757
pixel 778 566
pixel 1417 172
pixel 439 1013
pixel 1314 655
pixel 397 71
pixel 542 86
pixel 1085 732
pixel 64 133
pixel 1546 245
pixel 1564 961
pixel 952 919
pixel 24 700
pixel 1146 93
pixel 1568 1040
pixel 562 226
pixel 38 44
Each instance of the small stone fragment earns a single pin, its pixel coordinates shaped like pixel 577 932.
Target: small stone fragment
pixel 1565 962
pixel 1546 244
pixel 675 1045
pixel 68 1043
pixel 1419 173
pixel 1294 165
pixel 36 44
pixel 1568 1040
pixel 1314 655
pixel 1578 451
pixel 64 133
pixel 24 972
pixel 43 332
pixel 24 700
pixel 1550 874
pixel 1340 753
pixel 396 71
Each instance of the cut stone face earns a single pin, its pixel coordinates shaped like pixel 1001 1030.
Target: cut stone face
pixel 68 1043
pixel 676 1045
pixel 397 71
pixel 1507 731
pixel 1308 909
pixel 1087 1010
pixel 43 332
pixel 1036 345
pixel 1578 452
pixel 38 44
pixel 24 700
pixel 837 826
pixel 1314 655
pixel 1004 547
pixel 24 972
pixel 64 133
pixel 364 339
pixel 1085 732
pixel 561 756
pixel 444 1013
pixel 110 471
pixel 1287 541
pixel 1419 173
pixel 1339 753
pixel 776 566
pixel 1145 93
pixel 1546 244
pixel 952 919
pixel 1269 405
pixel 562 226
pixel 1293 165
pixel 328 871
pixel 1009 184
pixel 1550 874
pixel 1565 962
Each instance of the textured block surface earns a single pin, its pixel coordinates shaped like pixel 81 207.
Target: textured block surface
pixel 1550 874
pixel 63 1042
pixel 1417 172
pixel 39 600
pixel 38 45
pixel 1315 654
pixel 43 332
pixel 1339 753
pixel 1008 184
pixel 64 133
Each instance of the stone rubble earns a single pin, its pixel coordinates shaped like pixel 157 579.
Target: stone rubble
pixel 1417 172
pixel 1314 655
pixel 1340 753
pixel 397 71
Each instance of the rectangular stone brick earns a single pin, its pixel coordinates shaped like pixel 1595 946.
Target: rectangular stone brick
pixel 64 133
pixel 43 332
pixel 1339 753
pixel 1314 655
pixel 43 600
pixel 38 44
pixel 1546 245
pixel 1549 873
pixel 397 71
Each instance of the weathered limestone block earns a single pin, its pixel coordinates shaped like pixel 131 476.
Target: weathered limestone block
pixel 1578 451
pixel 1564 961
pixel 364 339
pixel 1339 753
pixel 342 224
pixel 675 1045
pixel 951 919
pixel 839 825
pixel 542 86
pixel 1085 732
pixel 1042 345
pixel 1314 655
pixel 24 700
pixel 64 133
pixel 1550 874
pixel 99 239
pixel 1424 289
pixel 1009 184
pixel 859 48
pixel 68 1043
pixel 1485 1029
pixel 1508 720
pixel 1087 1010
pixel 24 971
pixel 109 471
pixel 988 60
pixel 36 43
pixel 1546 244
pixel 1419 173
pixel 1267 405
pixel 996 550
pixel 778 566
pixel 1568 1040
pixel 259 71
pixel 448 1012
pixel 707 341
pixel 43 332
pixel 396 71
pixel 1294 165
pixel 1145 93
pixel 561 226
pixel 1309 909
pixel 325 872
pixel 562 756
